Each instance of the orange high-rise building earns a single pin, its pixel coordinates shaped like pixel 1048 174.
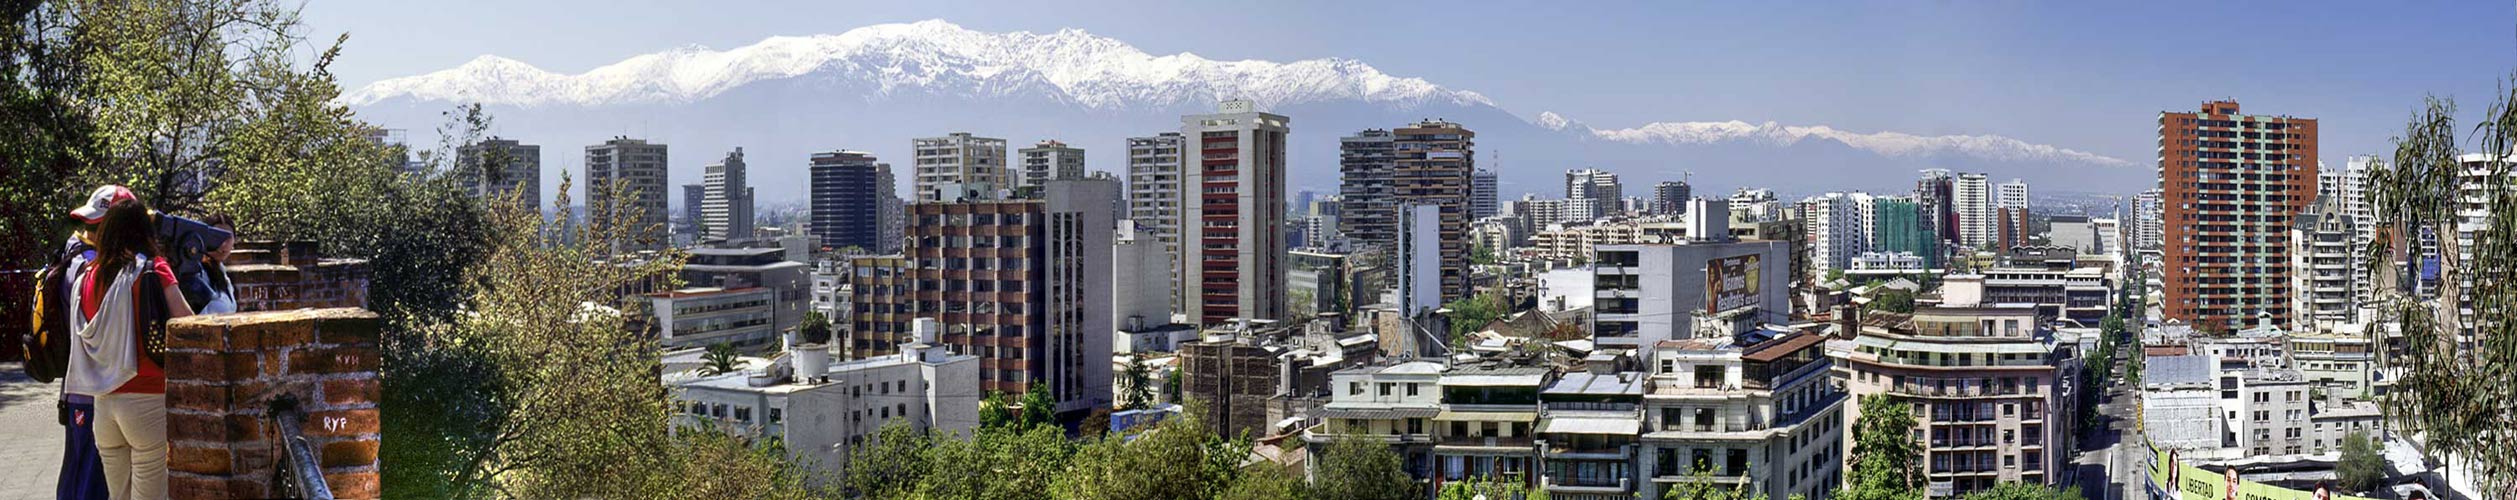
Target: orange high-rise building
pixel 2231 184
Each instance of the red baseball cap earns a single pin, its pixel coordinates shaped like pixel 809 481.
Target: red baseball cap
pixel 104 198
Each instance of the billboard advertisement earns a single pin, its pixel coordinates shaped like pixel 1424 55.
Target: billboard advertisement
pixel 1730 283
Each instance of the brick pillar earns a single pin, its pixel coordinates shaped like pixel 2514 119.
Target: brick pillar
pixel 223 372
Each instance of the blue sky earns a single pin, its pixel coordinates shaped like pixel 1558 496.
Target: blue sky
pixel 2082 75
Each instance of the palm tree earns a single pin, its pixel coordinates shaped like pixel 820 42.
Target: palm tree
pixel 721 360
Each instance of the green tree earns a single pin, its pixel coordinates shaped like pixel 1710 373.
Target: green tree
pixel 996 410
pixel 2023 491
pixel 2455 391
pixel 1490 489
pixel 1884 454
pixel 2362 469
pixel 1361 469
pixel 1171 386
pixel 890 466
pixel 1038 407
pixel 814 329
pixel 1179 458
pixel 1264 482
pixel 1470 314
pixel 48 137
pixel 721 359
pixel 1140 383
pixel 1892 300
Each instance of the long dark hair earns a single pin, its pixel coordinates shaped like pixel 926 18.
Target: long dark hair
pixel 126 232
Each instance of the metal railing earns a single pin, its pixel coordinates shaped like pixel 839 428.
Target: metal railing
pixel 300 471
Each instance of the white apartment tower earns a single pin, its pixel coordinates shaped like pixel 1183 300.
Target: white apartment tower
pixel 960 166
pixel 1598 189
pixel 1838 226
pixel 1051 160
pixel 727 210
pixel 638 169
pixel 2013 194
pixel 1153 194
pixel 2347 187
pixel 1234 267
pixel 2146 224
pixel 1972 199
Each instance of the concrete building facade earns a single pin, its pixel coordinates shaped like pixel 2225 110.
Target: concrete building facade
pixel 1645 294
pixel 639 170
pixel 727 211
pixel 519 172
pixel 959 166
pixel 1234 267
pixel 1050 160
pixel 824 411
pixel 1024 284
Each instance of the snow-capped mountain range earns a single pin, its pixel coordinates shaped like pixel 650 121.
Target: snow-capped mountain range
pixel 876 86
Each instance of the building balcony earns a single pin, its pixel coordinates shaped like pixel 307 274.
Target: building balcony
pixel 1487 444
pixel 1319 437
pixel 1586 485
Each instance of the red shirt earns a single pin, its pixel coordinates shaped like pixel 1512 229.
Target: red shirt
pixel 151 380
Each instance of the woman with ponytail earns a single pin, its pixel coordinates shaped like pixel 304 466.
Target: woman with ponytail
pixel 125 298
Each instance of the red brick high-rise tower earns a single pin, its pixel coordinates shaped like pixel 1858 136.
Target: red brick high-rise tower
pixel 2231 185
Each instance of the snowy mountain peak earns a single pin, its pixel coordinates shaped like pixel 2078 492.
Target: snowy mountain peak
pixel 1551 121
pixel 1890 144
pixel 934 55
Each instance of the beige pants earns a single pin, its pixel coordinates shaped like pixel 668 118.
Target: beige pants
pixel 131 438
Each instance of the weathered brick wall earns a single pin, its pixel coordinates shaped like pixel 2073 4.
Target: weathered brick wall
pixel 223 373
pixel 272 276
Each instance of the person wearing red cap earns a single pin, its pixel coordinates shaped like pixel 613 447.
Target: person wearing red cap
pixel 82 470
pixel 124 297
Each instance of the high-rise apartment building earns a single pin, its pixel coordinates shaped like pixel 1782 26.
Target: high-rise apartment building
pixel 1025 284
pixel 2013 194
pixel 1481 194
pixel 1234 268
pixel 728 208
pixel 2147 224
pixel 637 169
pixel 1598 189
pixel 960 166
pixel 2347 186
pixel 2321 260
pixel 2010 228
pixel 848 194
pixel 1971 201
pixel 1838 225
pixel 1434 160
pixel 1051 160
pixel 1670 197
pixel 2231 184
pixel 1903 225
pixel 517 170
pixel 1937 192
pixel 692 224
pixel 1154 173
pixel 1365 163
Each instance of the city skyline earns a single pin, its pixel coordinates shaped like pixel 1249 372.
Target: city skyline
pixel 1923 109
